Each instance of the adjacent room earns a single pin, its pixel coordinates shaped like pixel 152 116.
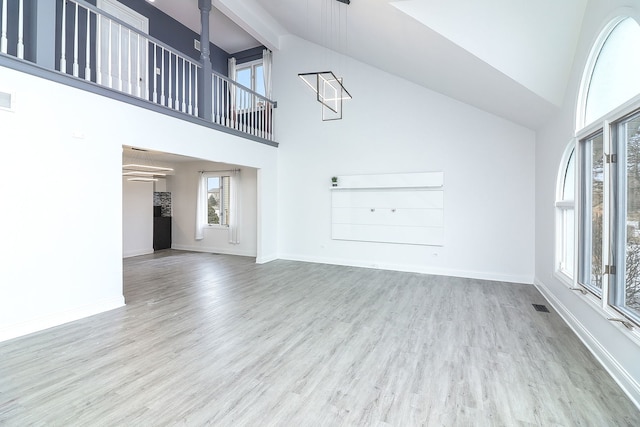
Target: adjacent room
pixel 320 212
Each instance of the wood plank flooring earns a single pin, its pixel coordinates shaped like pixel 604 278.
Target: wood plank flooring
pixel 217 340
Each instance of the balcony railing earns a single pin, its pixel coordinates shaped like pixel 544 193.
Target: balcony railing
pixel 95 46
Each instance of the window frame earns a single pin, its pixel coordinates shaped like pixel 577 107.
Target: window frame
pixel 257 101
pixel 619 218
pixel 563 206
pixel 584 224
pixel 606 125
pixel 251 65
pixel 612 245
pixel 224 215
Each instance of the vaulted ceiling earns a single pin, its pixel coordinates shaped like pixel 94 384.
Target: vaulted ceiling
pixel 511 58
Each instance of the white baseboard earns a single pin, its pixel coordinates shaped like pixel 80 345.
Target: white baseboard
pixel 130 254
pixel 481 275
pixel 266 259
pixel 46 322
pixel 225 250
pixel 628 384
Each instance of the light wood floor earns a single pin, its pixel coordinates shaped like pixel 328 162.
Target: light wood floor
pixel 214 339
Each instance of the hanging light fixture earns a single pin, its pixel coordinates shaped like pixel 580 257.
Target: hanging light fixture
pixel 329 89
pixel 141 169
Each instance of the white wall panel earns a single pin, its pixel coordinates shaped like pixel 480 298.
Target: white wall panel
pixel 365 198
pixel 389 234
pixel 390 215
pixel 382 216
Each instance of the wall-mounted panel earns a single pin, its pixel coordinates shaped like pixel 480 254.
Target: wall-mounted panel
pixel 391 208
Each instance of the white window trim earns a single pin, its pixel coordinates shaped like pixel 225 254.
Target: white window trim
pixel 561 207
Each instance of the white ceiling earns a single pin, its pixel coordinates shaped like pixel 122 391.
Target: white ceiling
pixel 223 32
pixel 511 58
pixel 151 157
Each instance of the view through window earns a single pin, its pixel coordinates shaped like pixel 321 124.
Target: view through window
pixel 218 200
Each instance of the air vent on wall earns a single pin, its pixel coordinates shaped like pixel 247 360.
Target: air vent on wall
pixel 196 44
pixel 6 101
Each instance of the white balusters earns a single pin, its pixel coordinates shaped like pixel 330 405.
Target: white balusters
pixel 75 42
pixel 119 56
pixel 3 28
pixel 145 72
pixel 195 112
pixel 109 50
pixel 98 49
pixel 87 50
pixel 122 60
pixel 190 110
pixel 63 38
pixel 170 99
pixel 155 77
pixel 128 58
pixel 21 30
pixel 177 106
pixel 162 99
pixel 184 79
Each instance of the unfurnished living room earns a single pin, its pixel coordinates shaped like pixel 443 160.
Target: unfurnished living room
pixel 320 212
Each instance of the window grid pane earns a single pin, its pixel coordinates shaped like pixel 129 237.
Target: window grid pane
pixel 597 209
pixel 630 133
pixel 591 261
pixel 213 200
pixel 567 262
pixel 615 76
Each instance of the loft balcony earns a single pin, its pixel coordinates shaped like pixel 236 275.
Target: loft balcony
pixel 81 45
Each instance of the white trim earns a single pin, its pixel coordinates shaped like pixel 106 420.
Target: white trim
pixel 266 259
pixel 137 253
pixel 46 322
pixel 217 250
pixel 480 275
pixel 629 385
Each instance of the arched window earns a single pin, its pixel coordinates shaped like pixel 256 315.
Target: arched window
pixel 565 217
pixel 607 162
pixel 614 79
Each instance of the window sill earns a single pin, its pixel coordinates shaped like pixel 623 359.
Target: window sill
pixel 596 303
pixel 564 278
pixel 217 227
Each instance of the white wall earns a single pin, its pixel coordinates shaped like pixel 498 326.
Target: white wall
pixel 62 196
pixel 393 126
pixel 137 218
pixel 183 186
pixel 611 343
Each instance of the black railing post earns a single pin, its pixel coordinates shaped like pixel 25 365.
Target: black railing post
pixel 206 85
